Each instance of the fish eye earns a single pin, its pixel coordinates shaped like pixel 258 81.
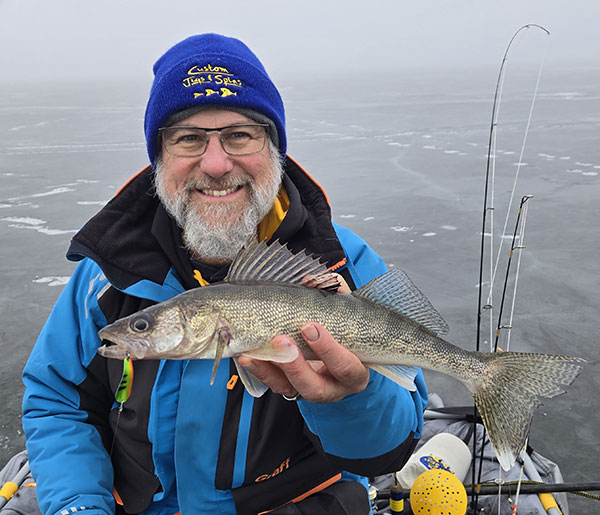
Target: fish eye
pixel 141 323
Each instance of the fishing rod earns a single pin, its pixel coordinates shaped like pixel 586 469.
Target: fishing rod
pixel 518 235
pixel 528 487
pixel 488 205
pixel 514 246
pixel 490 172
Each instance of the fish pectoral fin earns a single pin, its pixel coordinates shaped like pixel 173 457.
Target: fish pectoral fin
pixel 402 375
pixel 223 338
pixel 276 354
pixel 253 385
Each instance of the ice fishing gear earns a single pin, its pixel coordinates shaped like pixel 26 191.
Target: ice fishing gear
pixel 397 504
pixel 438 491
pixel 123 393
pixel 10 487
pixel 488 207
pixel 443 451
pixel 546 498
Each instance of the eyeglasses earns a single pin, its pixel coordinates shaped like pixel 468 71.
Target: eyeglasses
pixel 236 140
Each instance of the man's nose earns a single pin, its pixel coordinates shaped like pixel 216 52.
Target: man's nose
pixel 215 161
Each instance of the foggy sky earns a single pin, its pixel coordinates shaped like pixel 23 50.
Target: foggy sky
pixel 80 39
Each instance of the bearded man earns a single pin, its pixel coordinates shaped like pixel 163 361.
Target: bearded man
pixel 219 178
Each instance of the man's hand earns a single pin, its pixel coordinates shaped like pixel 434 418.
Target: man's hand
pixel 338 373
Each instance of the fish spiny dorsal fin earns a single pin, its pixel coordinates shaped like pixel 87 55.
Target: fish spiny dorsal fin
pixel 259 262
pixel 329 281
pixel 245 259
pixel 395 291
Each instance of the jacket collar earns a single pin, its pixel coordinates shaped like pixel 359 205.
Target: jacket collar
pixel 133 238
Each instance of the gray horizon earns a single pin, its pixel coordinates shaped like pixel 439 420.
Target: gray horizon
pixel 70 40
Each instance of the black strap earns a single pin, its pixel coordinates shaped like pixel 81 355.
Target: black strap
pixel 341 498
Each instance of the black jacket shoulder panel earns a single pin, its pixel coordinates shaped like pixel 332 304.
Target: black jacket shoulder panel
pixel 309 226
pixel 119 237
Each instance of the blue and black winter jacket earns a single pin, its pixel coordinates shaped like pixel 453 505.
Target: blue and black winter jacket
pixel 180 444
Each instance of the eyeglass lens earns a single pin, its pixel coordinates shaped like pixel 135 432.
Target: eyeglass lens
pixel 236 140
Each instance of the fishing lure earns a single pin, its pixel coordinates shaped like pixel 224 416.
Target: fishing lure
pixel 123 393
pixel 125 385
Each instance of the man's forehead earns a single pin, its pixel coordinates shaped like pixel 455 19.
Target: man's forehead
pixel 217 118
pixel 209 118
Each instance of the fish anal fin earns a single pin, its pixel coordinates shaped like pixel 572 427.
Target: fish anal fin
pixel 402 375
pixel 395 291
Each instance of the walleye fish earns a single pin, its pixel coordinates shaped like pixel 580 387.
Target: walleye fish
pixel 388 323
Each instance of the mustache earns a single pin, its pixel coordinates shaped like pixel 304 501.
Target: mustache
pixel 207 182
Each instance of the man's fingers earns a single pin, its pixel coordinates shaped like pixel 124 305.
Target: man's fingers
pixel 338 373
pixel 340 362
pixel 269 374
pixel 341 373
pixel 303 378
pixel 344 288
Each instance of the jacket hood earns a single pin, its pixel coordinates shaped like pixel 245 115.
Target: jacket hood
pixel 130 240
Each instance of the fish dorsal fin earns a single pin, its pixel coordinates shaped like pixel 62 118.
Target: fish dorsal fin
pixel 259 262
pixel 395 291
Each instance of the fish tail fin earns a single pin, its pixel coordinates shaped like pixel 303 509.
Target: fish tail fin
pixel 509 391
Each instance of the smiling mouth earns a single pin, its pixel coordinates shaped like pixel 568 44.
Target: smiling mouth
pixel 219 193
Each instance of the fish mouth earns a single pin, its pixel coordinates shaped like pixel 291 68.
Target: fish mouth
pixel 134 349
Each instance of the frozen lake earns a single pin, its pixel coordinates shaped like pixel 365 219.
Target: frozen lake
pixel 403 161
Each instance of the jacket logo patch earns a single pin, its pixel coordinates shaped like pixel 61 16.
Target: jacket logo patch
pixel 284 466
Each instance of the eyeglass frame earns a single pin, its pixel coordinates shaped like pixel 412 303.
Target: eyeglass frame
pixel 217 130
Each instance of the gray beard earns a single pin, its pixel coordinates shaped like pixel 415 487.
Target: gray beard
pixel 207 236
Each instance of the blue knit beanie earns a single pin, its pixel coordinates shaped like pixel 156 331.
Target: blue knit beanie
pixel 213 71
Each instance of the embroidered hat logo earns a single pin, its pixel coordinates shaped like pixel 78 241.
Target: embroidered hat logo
pixel 219 78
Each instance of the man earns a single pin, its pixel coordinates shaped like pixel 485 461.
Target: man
pixel 219 178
